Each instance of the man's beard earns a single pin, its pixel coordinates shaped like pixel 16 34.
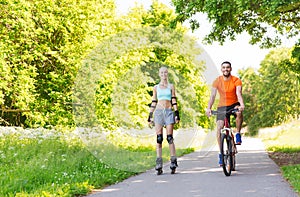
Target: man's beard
pixel 226 75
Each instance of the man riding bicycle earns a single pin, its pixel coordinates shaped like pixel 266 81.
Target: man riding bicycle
pixel 229 88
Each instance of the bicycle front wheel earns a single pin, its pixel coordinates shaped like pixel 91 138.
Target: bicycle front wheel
pixel 226 152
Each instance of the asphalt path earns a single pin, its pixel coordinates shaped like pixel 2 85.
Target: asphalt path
pixel 198 175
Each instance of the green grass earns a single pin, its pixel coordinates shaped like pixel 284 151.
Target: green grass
pixel 283 149
pixel 51 166
pixel 49 163
pixel 292 174
pixel 286 140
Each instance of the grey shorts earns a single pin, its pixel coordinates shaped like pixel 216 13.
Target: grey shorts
pixel 221 116
pixel 164 117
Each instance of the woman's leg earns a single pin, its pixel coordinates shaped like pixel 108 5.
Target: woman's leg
pixel 170 139
pixel 159 139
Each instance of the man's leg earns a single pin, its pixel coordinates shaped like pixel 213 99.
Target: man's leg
pixel 220 125
pixel 239 122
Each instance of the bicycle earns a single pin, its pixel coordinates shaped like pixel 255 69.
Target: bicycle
pixel 228 146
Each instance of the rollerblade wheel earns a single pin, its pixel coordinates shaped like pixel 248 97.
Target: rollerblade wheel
pixel 173 164
pixel 159 164
pixel 159 171
pixel 173 170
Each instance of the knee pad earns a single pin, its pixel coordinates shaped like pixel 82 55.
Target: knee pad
pixel 159 139
pixel 170 139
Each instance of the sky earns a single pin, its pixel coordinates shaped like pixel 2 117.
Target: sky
pixel 240 53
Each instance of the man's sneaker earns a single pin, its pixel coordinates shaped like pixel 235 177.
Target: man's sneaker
pixel 220 160
pixel 238 139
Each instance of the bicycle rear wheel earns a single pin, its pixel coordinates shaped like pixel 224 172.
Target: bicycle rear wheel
pixel 226 152
pixel 233 153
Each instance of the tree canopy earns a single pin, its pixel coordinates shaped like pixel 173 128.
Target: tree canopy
pixel 259 18
pixel 42 44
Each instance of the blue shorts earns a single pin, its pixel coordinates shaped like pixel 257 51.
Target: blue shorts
pixel 164 117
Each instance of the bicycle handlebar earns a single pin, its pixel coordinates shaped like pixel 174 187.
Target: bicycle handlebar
pixel 232 111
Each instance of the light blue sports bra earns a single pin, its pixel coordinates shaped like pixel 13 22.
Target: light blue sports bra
pixel 164 94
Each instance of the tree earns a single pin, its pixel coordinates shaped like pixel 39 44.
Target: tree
pixel 251 82
pixel 43 43
pixel 293 64
pixel 272 94
pixel 232 17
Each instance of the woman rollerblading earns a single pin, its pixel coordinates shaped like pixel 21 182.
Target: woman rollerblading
pixel 163 100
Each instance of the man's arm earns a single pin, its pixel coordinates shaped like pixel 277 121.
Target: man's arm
pixel 211 101
pixel 240 97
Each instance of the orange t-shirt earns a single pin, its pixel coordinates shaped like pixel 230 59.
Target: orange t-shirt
pixel 227 90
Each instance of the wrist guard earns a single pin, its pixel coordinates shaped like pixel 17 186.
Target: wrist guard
pixel 150 116
pixel 177 114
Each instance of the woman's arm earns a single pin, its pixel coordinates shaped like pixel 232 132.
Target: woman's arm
pixel 174 104
pixel 153 105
